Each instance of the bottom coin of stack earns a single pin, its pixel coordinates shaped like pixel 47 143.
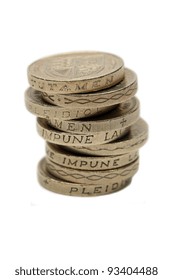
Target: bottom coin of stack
pixel 57 185
pixel 91 123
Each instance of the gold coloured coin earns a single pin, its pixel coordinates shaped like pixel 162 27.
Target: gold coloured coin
pixel 64 158
pixel 94 176
pixel 60 186
pixel 39 107
pixel 55 136
pixel 116 94
pixel 76 72
pixel 122 116
pixel 135 139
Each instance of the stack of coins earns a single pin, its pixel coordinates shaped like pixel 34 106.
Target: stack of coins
pixel 89 117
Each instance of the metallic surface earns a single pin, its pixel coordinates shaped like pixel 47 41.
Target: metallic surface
pixel 76 72
pixel 55 136
pixel 68 159
pixel 135 139
pixel 122 116
pixel 36 105
pixel 116 94
pixel 88 115
pixel 94 176
pixel 60 186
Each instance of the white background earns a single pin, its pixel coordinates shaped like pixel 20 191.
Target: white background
pixel 129 228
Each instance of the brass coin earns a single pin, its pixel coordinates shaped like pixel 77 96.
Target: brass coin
pixel 94 176
pixel 64 158
pixel 60 186
pixel 76 72
pixel 121 117
pixel 39 107
pixel 116 94
pixel 135 139
pixel 55 136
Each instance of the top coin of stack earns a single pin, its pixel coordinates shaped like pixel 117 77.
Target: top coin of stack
pixel 84 101
pixel 75 72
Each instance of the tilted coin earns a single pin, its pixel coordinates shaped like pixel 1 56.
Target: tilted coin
pixel 122 116
pixel 60 186
pixel 94 176
pixel 68 159
pixel 116 94
pixel 55 136
pixel 135 139
pixel 39 107
pixel 75 72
